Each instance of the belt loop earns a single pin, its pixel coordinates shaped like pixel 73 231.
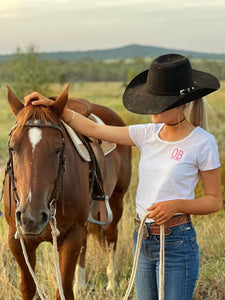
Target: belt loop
pixel 149 229
pixel 190 221
pixel 145 228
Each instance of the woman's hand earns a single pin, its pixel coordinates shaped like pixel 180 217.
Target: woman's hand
pixel 209 203
pixel 163 211
pixel 37 99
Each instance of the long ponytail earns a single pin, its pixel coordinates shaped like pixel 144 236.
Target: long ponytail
pixel 195 113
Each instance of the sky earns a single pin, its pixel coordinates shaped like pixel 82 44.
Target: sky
pixel 72 25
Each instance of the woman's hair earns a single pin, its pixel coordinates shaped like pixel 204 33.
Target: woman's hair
pixel 195 112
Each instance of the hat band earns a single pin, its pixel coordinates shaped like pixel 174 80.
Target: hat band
pixel 180 92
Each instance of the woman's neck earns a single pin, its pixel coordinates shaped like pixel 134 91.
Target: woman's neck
pixel 177 123
pixel 176 132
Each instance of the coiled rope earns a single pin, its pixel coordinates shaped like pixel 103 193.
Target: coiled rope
pixel 136 258
pixel 55 234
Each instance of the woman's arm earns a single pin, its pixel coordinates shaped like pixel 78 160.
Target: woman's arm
pixel 83 125
pixel 209 203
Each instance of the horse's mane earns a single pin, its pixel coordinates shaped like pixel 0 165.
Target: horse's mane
pixel 35 112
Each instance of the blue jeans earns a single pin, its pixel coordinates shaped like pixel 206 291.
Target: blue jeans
pixel 181 265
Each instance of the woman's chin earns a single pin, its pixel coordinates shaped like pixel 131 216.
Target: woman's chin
pixel 155 119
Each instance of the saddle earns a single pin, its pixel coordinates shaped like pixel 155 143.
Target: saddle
pixel 82 106
pixel 92 151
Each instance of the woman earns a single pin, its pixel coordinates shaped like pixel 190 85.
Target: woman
pixel 175 153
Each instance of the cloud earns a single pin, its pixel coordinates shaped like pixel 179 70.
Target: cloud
pixel 95 24
pixel 94 8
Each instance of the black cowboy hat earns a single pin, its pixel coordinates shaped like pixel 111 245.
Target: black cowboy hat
pixel 169 82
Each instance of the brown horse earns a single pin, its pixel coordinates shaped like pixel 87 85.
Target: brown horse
pixel 39 146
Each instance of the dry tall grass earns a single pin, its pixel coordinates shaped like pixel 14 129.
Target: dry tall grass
pixel 210 229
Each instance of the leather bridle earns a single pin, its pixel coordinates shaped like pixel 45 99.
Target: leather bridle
pixel 61 169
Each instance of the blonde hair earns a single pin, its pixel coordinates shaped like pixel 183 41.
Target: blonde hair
pixel 195 113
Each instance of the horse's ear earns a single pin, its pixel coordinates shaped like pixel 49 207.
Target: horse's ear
pixel 14 102
pixel 61 101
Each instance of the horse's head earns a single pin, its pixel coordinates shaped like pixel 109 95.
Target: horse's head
pixel 36 149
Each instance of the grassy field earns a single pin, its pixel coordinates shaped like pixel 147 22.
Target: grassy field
pixel 210 229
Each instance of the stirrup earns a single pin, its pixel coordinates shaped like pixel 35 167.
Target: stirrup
pixel 108 209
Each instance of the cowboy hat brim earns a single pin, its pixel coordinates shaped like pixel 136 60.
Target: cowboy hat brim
pixel 138 99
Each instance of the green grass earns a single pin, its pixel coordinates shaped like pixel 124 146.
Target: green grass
pixel 210 229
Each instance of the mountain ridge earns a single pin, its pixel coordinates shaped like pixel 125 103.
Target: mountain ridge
pixel 124 52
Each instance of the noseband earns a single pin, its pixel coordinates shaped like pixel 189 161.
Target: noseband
pixel 62 165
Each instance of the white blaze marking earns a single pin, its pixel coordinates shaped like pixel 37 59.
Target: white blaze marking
pixel 35 136
pixel 29 196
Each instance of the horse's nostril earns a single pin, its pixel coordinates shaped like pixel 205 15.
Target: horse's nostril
pixel 18 217
pixel 45 217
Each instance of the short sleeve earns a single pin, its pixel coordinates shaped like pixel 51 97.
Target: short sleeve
pixel 138 134
pixel 208 156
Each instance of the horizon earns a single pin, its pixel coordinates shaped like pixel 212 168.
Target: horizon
pixel 118 47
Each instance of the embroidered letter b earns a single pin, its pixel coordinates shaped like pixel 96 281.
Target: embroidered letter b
pixel 177 154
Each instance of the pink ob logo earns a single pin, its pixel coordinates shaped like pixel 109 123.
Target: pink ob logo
pixel 177 154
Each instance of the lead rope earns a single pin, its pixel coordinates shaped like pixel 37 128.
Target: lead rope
pixel 136 258
pixel 55 234
pixel 162 262
pixel 19 235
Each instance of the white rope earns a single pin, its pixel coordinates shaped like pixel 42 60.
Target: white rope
pixel 136 258
pixel 19 235
pixel 55 234
pixel 162 262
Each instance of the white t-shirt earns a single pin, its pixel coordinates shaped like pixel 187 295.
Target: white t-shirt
pixel 170 170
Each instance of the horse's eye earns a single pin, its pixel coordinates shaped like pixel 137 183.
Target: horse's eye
pixel 11 149
pixel 58 151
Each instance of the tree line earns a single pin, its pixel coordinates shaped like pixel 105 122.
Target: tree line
pixel 28 71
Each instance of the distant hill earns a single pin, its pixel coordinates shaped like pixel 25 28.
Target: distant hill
pixel 125 52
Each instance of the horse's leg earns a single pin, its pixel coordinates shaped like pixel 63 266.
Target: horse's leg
pixel 69 252
pixel 80 281
pixel 27 286
pixel 111 236
pixel 112 268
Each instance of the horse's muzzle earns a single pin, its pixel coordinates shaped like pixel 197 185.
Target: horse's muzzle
pixel 30 223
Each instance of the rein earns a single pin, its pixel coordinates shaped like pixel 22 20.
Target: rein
pixel 62 165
